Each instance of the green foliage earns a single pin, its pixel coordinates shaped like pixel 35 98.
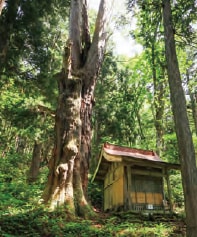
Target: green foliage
pixel 170 152
pixel 177 189
pixel 122 98
pixel 95 194
pixel 27 76
pixel 14 190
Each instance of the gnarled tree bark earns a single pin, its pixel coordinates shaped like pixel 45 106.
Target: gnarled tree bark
pixel 67 181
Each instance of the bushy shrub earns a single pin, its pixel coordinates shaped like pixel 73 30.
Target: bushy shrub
pixel 95 194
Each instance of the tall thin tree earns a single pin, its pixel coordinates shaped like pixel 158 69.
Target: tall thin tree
pixel 184 136
pixel 2 2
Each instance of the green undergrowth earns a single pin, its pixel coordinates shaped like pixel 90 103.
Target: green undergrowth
pixel 35 222
pixel 22 216
pixel 39 222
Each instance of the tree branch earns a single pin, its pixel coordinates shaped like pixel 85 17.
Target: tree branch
pixel 74 32
pixel 85 37
pixel 97 49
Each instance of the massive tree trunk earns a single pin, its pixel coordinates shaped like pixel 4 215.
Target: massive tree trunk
pixel 184 136
pixel 67 181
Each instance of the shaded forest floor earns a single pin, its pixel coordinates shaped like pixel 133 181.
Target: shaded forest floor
pixel 38 222
pixel 21 216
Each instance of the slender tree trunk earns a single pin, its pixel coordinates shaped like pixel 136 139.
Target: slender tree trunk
pixel 6 30
pixel 68 177
pixel 35 163
pixel 158 103
pixel 184 136
pixel 20 144
pixel 46 150
pixel 158 92
pixel 2 2
pixel 193 98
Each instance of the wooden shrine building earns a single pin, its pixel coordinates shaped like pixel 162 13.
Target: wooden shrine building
pixel 133 179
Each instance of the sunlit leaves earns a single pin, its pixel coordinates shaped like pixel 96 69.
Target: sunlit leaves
pixel 123 102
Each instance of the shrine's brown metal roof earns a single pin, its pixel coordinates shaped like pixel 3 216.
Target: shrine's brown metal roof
pixel 114 153
pixel 130 152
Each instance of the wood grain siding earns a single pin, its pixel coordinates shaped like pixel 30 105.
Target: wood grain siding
pixel 113 187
